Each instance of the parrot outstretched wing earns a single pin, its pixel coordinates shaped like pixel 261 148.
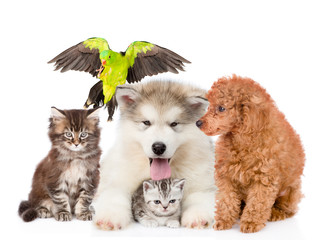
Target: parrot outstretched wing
pixel 84 56
pixel 147 59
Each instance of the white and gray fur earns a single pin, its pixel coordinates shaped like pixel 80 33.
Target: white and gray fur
pixel 190 151
pixel 158 203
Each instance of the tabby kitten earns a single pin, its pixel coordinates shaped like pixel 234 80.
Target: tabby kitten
pixel 158 203
pixel 64 182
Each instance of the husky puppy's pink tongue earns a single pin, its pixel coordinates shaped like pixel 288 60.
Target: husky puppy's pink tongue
pixel 160 169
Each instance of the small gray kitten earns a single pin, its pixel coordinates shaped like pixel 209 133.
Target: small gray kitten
pixel 158 203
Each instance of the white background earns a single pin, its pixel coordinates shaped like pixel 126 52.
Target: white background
pixel 283 45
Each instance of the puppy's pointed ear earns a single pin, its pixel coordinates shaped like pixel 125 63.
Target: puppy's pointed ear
pixel 179 183
pixel 126 96
pixel 198 106
pixel 57 114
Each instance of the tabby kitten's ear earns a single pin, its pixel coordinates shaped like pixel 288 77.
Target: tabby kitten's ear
pixel 93 114
pixel 57 114
pixel 179 183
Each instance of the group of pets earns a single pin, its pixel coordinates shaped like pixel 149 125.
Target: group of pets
pixel 164 169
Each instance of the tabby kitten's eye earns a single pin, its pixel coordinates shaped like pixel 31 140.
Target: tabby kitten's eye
pixel 172 201
pixel 68 135
pixel 157 201
pixel 83 135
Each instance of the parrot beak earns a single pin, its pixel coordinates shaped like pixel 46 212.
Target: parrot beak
pixel 103 62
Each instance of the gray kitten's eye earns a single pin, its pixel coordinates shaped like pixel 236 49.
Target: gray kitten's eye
pixel 157 201
pixel 68 135
pixel 83 135
pixel 172 201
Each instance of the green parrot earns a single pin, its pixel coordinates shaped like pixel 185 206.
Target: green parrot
pixel 95 57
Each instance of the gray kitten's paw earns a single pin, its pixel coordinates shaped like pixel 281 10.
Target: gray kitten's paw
pixel 149 223
pixel 173 224
pixel 63 216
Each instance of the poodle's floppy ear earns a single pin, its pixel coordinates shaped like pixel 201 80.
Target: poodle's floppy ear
pixel 254 115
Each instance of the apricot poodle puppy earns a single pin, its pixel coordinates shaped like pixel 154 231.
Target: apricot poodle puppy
pixel 259 157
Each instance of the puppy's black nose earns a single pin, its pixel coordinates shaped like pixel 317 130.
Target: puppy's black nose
pixel 199 123
pixel 159 148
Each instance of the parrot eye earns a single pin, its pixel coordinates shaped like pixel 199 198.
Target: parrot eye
pixel 109 57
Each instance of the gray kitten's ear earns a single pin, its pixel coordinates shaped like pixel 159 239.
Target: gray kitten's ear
pixel 179 183
pixel 147 185
pixel 57 114
pixel 93 114
pixel 126 95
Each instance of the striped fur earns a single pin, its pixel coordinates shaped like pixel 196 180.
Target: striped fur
pixel 64 183
pixel 158 203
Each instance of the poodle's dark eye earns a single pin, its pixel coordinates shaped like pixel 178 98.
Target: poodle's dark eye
pixel 147 123
pixel 173 124
pixel 221 109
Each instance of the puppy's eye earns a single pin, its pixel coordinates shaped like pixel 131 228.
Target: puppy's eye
pixel 68 134
pixel 147 123
pixel 221 109
pixel 172 201
pixel 157 201
pixel 173 124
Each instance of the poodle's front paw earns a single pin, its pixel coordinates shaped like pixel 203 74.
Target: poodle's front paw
pixel 222 225
pixel 279 214
pixel 194 218
pixel 251 227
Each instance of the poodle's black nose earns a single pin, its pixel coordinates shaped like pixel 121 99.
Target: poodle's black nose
pixel 159 148
pixel 199 123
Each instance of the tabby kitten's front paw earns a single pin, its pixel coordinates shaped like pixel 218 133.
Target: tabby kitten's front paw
pixel 84 216
pixel 149 223
pixel 63 216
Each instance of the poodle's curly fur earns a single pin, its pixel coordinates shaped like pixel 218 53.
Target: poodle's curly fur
pixel 259 157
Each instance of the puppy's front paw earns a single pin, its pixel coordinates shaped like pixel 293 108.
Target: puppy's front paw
pixel 194 218
pixel 112 219
pixel 251 227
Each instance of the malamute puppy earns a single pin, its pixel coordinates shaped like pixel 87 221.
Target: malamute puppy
pixel 157 138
